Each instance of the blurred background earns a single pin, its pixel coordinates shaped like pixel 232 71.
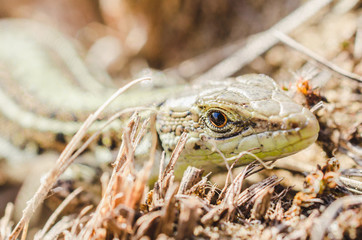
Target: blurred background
pixel 125 36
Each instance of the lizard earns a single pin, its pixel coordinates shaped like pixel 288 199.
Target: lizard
pixel 47 89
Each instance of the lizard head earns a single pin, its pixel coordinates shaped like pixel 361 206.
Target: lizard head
pixel 248 113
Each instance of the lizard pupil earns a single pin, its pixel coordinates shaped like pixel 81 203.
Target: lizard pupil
pixel 218 119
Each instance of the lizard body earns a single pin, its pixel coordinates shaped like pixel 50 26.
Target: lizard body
pixel 47 90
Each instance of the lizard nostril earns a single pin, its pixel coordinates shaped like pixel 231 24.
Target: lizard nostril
pixel 295 121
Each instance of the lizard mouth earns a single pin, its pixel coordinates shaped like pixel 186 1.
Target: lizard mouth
pixel 271 144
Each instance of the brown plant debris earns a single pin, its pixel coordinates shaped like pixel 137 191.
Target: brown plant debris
pixel 329 206
pixel 195 209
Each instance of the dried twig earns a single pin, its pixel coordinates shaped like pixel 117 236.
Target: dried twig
pixel 61 227
pixel 191 176
pixel 80 219
pixel 352 185
pixel 51 177
pixel 262 203
pixel 57 212
pixel 199 64
pixel 99 131
pixel 5 222
pixel 260 43
pixel 321 225
pixel 122 192
pixel 175 154
pixel 252 192
pixel 166 179
pixel 290 42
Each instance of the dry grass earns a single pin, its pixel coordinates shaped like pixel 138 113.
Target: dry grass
pixel 329 205
pixel 195 208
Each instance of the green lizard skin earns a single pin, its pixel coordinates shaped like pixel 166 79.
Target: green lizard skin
pixel 257 117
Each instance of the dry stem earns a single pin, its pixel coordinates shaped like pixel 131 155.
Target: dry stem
pixel 50 178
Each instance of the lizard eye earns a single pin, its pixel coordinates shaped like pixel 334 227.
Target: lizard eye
pixel 218 119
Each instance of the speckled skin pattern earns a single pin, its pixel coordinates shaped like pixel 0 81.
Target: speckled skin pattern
pixel 261 119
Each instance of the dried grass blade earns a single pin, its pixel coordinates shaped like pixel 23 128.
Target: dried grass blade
pixel 57 212
pixel 50 178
